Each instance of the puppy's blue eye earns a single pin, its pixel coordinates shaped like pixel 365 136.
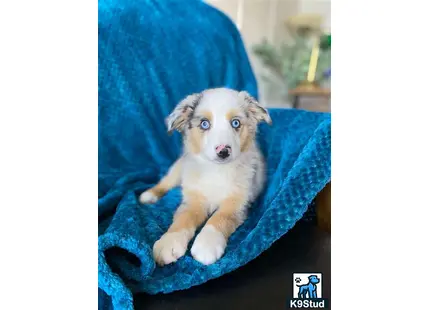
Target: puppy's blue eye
pixel 235 123
pixel 205 124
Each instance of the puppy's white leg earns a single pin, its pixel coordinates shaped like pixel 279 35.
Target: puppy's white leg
pixel 173 244
pixel 171 180
pixel 209 245
pixel 211 242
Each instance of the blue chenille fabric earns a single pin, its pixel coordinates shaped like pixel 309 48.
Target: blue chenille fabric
pixel 152 53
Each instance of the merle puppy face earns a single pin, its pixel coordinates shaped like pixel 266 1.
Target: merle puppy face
pixel 218 124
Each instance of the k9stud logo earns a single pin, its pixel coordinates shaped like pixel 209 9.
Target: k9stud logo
pixel 307 292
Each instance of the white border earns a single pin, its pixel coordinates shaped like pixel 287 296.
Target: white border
pixel 48 157
pixel 380 154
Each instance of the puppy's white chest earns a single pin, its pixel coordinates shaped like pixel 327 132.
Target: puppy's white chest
pixel 215 183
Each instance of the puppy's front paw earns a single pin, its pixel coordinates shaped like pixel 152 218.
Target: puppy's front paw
pixel 148 197
pixel 209 245
pixel 170 247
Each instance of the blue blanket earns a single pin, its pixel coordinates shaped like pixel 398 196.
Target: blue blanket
pixel 151 55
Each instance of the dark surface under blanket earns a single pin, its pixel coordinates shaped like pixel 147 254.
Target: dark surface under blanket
pixel 264 283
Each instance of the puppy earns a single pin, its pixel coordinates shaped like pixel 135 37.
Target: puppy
pixel 221 171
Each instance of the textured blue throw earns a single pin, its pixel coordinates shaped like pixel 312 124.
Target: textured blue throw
pixel 151 55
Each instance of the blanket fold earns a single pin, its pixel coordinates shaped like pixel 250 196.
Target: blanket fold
pixel 151 55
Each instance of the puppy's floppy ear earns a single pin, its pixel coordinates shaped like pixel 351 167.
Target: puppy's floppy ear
pixel 182 113
pixel 254 108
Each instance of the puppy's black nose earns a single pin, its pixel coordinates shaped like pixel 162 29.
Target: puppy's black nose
pixel 223 151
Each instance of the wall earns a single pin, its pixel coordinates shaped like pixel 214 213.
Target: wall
pixel 258 19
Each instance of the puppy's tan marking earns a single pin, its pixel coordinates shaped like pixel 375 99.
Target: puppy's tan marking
pixel 193 140
pixel 246 137
pixel 231 114
pixel 207 114
pixel 191 214
pixel 229 215
pixel 246 133
pixel 169 181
